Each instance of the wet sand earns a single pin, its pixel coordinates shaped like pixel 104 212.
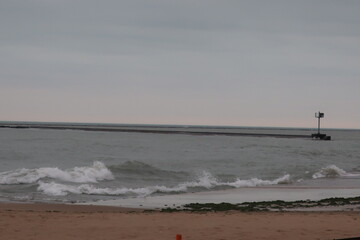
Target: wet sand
pixel 51 221
pixel 234 196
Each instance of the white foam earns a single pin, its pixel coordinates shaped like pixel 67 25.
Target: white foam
pixel 254 182
pixel 97 172
pixel 57 189
pixel 205 180
pixel 332 171
pixel 208 181
pixel 19 176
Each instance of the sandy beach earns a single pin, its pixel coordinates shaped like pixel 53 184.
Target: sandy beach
pixel 52 221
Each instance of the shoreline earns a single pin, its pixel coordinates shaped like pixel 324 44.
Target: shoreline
pixel 64 207
pixel 231 196
pixel 75 208
pixel 351 204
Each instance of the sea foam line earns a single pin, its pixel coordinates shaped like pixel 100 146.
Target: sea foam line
pixel 332 171
pixel 205 180
pixel 92 174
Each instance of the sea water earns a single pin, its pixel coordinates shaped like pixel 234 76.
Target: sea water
pixel 43 165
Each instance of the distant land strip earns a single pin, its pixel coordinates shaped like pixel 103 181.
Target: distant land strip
pixel 155 131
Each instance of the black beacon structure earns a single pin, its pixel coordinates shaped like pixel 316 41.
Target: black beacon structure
pixel 318 135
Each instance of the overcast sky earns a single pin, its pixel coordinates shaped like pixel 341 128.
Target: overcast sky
pixel 206 62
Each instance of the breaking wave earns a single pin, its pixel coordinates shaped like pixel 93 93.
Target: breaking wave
pixel 92 174
pixel 53 181
pixel 205 180
pixel 333 171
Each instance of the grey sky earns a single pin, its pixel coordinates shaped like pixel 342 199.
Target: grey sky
pixel 246 63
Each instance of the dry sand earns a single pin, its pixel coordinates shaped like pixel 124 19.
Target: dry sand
pixel 49 221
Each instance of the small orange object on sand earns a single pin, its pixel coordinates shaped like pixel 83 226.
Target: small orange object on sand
pixel 178 237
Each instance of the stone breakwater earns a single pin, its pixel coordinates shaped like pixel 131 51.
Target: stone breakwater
pixel 148 130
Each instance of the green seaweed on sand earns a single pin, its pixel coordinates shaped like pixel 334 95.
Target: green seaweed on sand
pixel 264 205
